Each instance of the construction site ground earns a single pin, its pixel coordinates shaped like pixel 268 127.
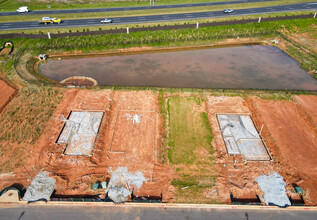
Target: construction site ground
pixel 288 128
pixel 7 94
pixel 289 134
pixel 75 175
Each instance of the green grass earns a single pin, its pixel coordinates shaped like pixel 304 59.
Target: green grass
pixel 189 130
pixel 24 119
pixel 190 188
pixel 164 37
pixel 301 52
pixel 190 149
pixel 151 38
pixel 12 5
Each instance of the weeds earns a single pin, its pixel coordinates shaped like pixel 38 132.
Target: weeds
pixel 25 118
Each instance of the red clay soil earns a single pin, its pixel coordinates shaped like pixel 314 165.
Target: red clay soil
pixel 290 130
pixel 236 176
pixel 309 106
pixel 76 174
pixel 7 93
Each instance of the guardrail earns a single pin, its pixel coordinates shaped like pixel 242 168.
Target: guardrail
pixel 137 29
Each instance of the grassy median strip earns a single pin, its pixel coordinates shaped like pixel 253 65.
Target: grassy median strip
pixel 12 5
pixel 190 150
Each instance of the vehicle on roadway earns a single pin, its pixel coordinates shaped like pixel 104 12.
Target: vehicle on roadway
pixel 106 20
pixel 48 20
pixel 227 10
pixel 23 9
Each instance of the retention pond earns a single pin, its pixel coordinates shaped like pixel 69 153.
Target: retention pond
pixel 243 67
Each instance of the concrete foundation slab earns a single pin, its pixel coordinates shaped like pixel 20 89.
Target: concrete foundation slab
pixel 241 137
pixel 80 131
pixel 252 149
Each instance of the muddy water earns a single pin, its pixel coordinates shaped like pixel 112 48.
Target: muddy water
pixel 261 67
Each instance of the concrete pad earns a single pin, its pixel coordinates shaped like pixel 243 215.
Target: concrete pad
pixel 241 137
pixel 81 144
pixel 80 131
pixel 253 149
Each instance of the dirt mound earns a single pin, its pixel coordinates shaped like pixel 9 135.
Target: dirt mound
pixel 79 81
pixel 7 93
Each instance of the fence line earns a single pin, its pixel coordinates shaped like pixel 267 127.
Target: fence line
pixel 169 27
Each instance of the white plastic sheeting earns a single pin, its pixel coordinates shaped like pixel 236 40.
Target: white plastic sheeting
pixel 121 180
pixel 273 188
pixel 41 187
pixel 122 175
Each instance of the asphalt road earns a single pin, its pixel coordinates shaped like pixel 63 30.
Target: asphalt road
pixel 158 18
pixel 153 213
pixel 66 11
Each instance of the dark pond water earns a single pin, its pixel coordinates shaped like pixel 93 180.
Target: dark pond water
pixel 261 67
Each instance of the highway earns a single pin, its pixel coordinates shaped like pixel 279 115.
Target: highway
pixel 90 10
pixel 160 18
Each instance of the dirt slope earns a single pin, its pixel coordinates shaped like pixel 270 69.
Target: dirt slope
pixel 6 94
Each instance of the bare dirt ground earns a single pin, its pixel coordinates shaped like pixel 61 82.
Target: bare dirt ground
pixel 290 132
pixel 138 142
pixel 236 176
pixel 6 94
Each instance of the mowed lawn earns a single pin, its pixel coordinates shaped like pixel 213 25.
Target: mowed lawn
pixel 190 150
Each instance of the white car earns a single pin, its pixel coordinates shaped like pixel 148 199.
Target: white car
pixel 23 9
pixel 228 10
pixel 106 20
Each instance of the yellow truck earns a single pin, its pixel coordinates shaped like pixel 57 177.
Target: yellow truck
pixel 48 20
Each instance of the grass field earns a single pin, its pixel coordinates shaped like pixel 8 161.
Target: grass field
pixel 26 116
pixel 12 5
pixel 190 150
pixel 188 130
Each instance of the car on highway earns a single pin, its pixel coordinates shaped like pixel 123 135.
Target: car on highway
pixel 48 20
pixel 227 10
pixel 106 20
pixel 23 9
